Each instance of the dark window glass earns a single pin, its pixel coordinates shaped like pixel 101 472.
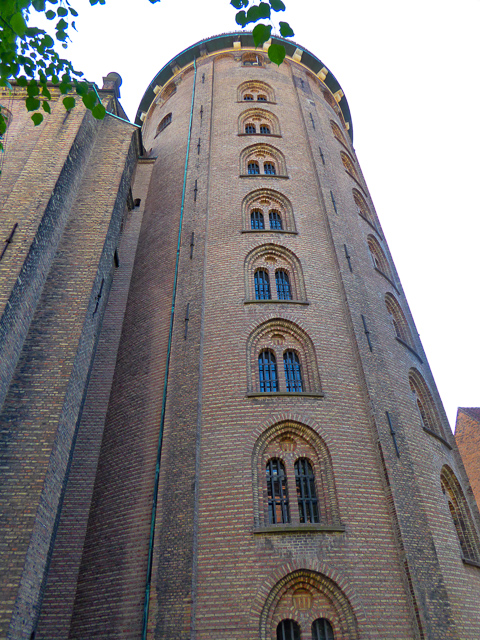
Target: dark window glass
pixel 262 285
pixel 253 168
pixel 288 630
pixel 267 371
pixel 277 489
pixel 293 375
pixel 248 97
pixel 322 630
pixel 250 128
pixel 283 285
pixel 261 98
pixel 264 129
pixel 275 220
pixel 164 123
pixel 256 220
pixel 269 168
pixel 306 494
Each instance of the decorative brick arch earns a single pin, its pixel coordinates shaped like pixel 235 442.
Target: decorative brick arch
pixel 253 59
pixel 279 335
pixel 272 257
pixel 290 440
pixel 259 117
pixel 379 258
pixel 255 88
pixel 337 132
pixel 427 410
pixel 460 513
pixel 349 166
pixel 263 153
pixel 399 321
pixel 324 593
pixel 363 209
pixel 267 200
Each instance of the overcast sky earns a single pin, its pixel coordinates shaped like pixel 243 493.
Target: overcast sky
pixel 410 74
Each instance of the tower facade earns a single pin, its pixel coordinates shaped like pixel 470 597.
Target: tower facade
pixel 268 456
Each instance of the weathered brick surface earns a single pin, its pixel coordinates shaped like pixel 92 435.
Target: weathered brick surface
pixel 69 255
pixel 467 436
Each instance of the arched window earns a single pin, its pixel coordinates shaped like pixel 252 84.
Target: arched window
pixel 265 129
pixel 349 166
pixel 277 490
pixel 460 513
pixel 322 630
pixel 380 261
pixel 269 169
pixel 255 90
pixel 399 322
pixel 262 285
pixel 363 209
pixel 264 121
pixel 164 123
pixel 283 285
pixel 256 220
pixel 267 371
pixel 425 403
pixel 288 630
pixel 248 97
pixel 306 493
pixel 337 132
pixel 293 374
pixel 261 98
pixel 250 128
pixel 253 169
pixel 252 60
pixel 275 220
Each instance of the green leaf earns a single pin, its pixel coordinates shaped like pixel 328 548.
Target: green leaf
pixel 62 12
pixel 48 42
pixel 285 30
pixel 263 10
pixel 81 88
pixel 73 12
pixel 38 5
pixel 277 5
pixel 241 18
pixel 61 25
pixel 69 102
pixel 22 81
pixel 46 93
pixel 89 100
pixel 99 111
pixel 46 106
pixel 238 4
pixel 261 33
pixel 253 14
pixel 33 89
pixel 32 104
pixel 50 15
pixel 37 119
pixel 276 53
pixel 17 22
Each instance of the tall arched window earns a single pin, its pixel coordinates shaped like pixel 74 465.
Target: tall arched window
pixel 306 493
pixel 277 489
pixel 288 630
pixel 380 261
pixel 399 322
pixel 349 166
pixel 275 220
pixel 283 285
pixel 293 374
pixel 256 220
pixel 460 513
pixel 269 169
pixel 250 128
pixel 267 371
pixel 425 403
pixel 253 169
pixel 262 285
pixel 322 630
pixel 164 123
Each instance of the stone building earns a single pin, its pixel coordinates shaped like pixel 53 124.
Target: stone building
pixel 467 436
pixel 218 420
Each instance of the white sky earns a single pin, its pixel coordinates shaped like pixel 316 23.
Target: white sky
pixel 410 74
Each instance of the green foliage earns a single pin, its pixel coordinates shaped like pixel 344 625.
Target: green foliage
pixel 28 55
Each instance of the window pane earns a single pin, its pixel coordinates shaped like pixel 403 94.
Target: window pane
pixel 256 220
pixel 283 285
pixel 262 285
pixel 322 630
pixel 264 129
pixel 253 168
pixel 248 97
pixel 275 220
pixel 278 510
pixel 306 493
pixel 288 630
pixel 267 371
pixel 269 168
pixel 262 98
pixel 250 128
pixel 293 375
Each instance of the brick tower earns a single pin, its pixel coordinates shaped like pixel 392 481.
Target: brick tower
pixel 262 452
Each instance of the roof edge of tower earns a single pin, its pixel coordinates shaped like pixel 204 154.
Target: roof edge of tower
pixel 226 41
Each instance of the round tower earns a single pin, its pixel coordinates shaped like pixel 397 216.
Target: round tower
pixel 276 462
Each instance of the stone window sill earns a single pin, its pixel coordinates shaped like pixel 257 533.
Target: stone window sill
pixel 386 277
pixel 293 233
pixel 435 435
pixel 472 563
pixel 301 528
pixel 370 223
pixel 273 301
pixel 269 135
pixel 263 175
pixel 411 349
pixel 285 394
